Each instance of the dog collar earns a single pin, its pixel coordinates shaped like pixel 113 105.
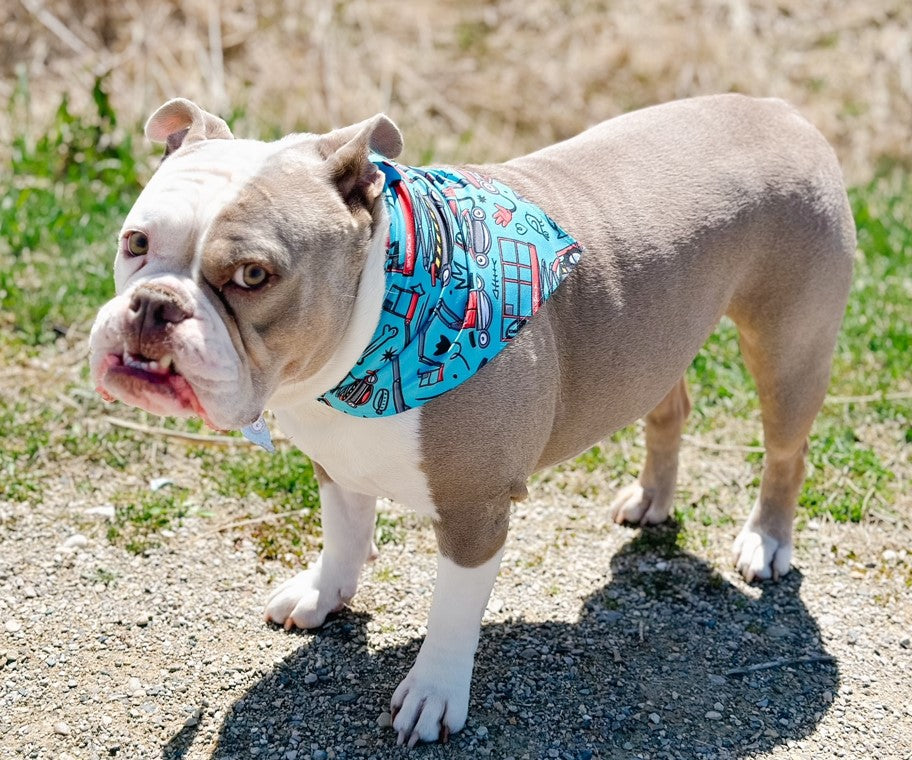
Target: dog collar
pixel 469 261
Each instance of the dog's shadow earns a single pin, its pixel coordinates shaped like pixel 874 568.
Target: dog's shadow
pixel 646 670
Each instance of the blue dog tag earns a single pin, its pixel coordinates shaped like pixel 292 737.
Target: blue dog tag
pixel 258 433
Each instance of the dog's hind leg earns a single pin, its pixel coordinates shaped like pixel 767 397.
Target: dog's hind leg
pixel 791 366
pixel 649 500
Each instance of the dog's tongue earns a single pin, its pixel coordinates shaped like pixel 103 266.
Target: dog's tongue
pixel 258 433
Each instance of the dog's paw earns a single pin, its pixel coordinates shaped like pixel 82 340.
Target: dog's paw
pixel 759 556
pixel 432 701
pixel 305 600
pixel 638 505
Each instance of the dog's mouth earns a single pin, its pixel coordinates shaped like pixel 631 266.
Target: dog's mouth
pixel 155 385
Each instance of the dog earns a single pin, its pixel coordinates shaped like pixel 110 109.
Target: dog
pixel 254 275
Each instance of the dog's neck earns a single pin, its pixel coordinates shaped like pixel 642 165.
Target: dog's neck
pixel 468 263
pixel 358 332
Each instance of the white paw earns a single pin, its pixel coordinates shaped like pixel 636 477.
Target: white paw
pixel 635 504
pixel 432 701
pixel 305 600
pixel 759 556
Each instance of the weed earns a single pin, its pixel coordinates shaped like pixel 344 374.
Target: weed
pixel 62 202
pixel 845 475
pixel 142 515
pixel 286 481
pixel 389 529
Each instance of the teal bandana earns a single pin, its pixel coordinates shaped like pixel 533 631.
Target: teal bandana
pixel 469 261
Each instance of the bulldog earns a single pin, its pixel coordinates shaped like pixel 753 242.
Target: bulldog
pixel 313 276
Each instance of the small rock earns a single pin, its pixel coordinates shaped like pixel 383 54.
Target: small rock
pixel 777 632
pixel 105 511
pixel 717 680
pixel 76 541
pixel 156 484
pixel 654 718
pixel 827 697
pixel 905 643
pixel 310 678
pixel 13 626
pixel 719 706
pixel 61 728
pixel 495 606
pixel 319 754
pixel 384 720
pixel 713 715
pixel 29 592
pixel 889 555
pixel 481 732
pixel 345 699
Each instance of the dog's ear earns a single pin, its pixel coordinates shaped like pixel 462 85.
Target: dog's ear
pixel 182 122
pixel 347 152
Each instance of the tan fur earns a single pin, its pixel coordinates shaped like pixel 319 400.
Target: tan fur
pixel 688 211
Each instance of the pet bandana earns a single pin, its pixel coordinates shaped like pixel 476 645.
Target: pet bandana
pixel 469 261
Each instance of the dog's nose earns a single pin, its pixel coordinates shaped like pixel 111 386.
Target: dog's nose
pixel 152 310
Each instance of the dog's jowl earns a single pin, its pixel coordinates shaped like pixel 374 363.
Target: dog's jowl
pixel 436 335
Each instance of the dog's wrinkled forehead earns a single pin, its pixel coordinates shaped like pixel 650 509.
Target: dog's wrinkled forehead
pixel 191 188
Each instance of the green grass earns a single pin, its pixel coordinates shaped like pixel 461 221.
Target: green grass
pixel 141 516
pixel 61 207
pixel 285 481
pixel 62 204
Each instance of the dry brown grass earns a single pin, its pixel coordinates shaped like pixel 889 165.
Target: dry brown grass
pixel 478 79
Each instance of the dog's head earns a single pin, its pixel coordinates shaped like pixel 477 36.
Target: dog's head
pixel 238 268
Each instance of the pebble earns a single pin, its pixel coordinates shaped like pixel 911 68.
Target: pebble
pixel 717 680
pixel 156 484
pixel 62 729
pixel 105 511
pixel 76 541
pixel 13 626
pixel 654 718
pixel 384 720
pixel 713 715
pixel 319 754
pixel 310 678
pixel 482 732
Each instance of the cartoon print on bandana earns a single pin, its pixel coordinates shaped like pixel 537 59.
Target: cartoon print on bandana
pixel 469 261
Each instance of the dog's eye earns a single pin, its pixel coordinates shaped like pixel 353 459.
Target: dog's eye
pixel 250 276
pixel 137 243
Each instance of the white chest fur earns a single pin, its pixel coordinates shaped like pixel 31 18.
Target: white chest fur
pixel 377 456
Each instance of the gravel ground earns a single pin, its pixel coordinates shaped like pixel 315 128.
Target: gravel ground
pixel 599 641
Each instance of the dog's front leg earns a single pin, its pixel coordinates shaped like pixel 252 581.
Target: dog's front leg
pixel 433 699
pixel 330 582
